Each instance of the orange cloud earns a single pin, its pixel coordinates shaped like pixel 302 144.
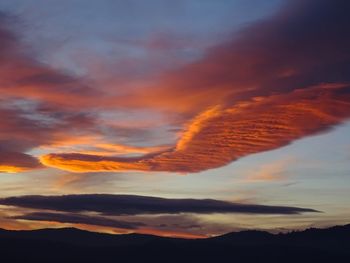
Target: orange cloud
pixel 220 136
pixel 11 169
pixel 94 144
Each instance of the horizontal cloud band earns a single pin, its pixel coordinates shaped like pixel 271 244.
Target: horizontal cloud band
pixel 79 219
pixel 137 205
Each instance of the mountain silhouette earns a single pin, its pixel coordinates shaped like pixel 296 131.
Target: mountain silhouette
pixel 74 245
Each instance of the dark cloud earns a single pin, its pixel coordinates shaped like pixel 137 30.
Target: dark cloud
pixel 18 135
pixel 79 219
pixel 135 205
pixel 173 221
pixel 15 161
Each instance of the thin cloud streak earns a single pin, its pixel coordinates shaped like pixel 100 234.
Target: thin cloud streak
pixel 78 219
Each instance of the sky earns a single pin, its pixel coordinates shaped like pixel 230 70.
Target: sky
pixel 188 118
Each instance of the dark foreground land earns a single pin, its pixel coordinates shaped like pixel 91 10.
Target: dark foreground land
pixel 73 245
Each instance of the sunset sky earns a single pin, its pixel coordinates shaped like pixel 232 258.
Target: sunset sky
pixel 186 118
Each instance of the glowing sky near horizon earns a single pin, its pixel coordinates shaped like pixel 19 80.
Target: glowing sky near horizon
pixel 242 101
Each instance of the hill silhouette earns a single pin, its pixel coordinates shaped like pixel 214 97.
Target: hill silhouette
pixel 74 245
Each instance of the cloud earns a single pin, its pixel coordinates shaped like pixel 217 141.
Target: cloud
pixel 24 76
pixel 302 45
pixel 138 205
pixel 27 88
pixel 24 127
pixel 276 171
pixel 151 224
pixel 44 108
pixel 222 135
pixel 12 162
pixel 276 81
pixel 40 106
pixel 17 137
pixel 78 219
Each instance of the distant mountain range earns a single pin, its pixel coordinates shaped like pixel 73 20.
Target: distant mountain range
pixel 74 245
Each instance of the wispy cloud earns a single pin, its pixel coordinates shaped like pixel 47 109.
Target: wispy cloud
pixel 275 171
pixel 78 219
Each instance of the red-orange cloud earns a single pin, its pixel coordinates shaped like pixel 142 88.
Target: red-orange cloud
pixel 219 136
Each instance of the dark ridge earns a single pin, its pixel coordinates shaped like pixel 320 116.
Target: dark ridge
pixel 74 245
pixel 79 237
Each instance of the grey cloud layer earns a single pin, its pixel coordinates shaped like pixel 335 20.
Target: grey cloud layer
pixel 79 219
pixel 136 205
